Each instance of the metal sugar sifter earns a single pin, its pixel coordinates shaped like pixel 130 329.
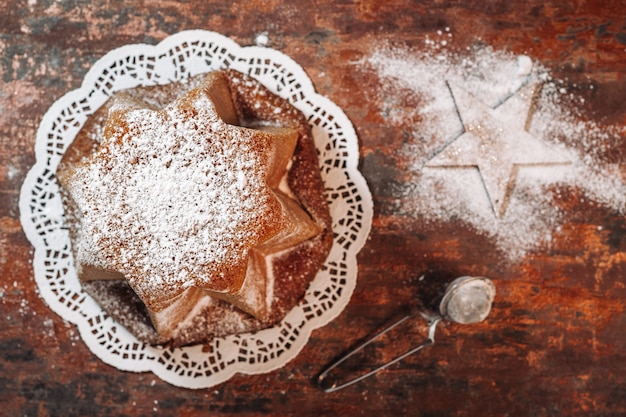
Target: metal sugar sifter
pixel 466 300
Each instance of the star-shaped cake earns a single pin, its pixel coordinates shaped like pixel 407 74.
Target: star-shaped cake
pixel 191 200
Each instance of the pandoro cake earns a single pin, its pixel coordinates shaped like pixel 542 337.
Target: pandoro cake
pixel 196 209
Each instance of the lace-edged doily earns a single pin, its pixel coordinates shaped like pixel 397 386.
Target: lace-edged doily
pixel 178 57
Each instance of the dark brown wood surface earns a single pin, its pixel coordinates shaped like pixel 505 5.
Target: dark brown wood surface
pixel 555 342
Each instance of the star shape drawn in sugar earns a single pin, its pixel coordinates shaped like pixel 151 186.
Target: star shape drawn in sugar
pixel 183 202
pixel 496 142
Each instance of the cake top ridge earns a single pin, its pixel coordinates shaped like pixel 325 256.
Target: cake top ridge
pixel 143 195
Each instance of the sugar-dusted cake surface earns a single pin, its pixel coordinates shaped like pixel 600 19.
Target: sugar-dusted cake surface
pixel 196 208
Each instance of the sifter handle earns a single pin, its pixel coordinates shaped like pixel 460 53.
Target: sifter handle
pixel 330 385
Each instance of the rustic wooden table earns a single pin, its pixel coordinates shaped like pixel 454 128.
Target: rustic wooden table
pixel 554 343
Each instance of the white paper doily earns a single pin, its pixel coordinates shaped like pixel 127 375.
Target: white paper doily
pixel 178 57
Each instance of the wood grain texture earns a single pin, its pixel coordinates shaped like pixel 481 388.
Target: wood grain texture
pixel 554 343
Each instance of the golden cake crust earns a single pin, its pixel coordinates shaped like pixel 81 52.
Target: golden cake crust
pixel 225 306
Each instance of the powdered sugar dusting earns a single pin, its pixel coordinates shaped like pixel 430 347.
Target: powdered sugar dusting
pixel 415 90
pixel 144 200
